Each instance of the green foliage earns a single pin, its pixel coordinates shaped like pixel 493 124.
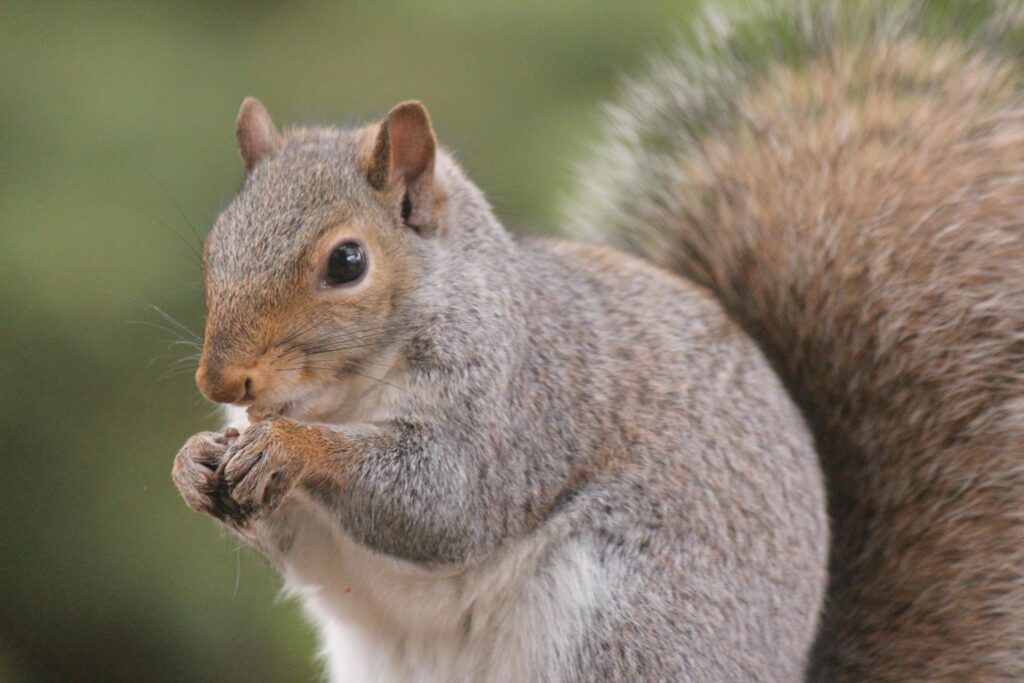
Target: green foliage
pixel 116 152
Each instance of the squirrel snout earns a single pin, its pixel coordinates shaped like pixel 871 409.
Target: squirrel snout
pixel 228 385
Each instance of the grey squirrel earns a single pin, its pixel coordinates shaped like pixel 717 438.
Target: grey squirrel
pixel 484 458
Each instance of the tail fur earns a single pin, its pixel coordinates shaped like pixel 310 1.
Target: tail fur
pixel 848 178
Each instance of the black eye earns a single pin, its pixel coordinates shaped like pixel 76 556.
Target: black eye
pixel 346 264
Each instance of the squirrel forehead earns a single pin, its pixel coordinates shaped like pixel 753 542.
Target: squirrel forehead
pixel 312 184
pixel 311 172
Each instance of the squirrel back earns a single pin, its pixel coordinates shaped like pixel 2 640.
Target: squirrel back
pixel 847 179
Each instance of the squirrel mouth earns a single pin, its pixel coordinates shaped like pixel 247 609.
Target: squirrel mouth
pixel 258 413
pixel 293 408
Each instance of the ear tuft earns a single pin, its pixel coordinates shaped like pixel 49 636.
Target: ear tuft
pixel 404 152
pixel 255 133
pixel 412 140
pixel 405 147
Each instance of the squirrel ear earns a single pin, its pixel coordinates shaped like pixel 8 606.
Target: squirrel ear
pixel 255 132
pixel 404 152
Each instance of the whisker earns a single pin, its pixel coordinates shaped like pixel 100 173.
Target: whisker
pixel 177 324
pixel 175 333
pixel 315 322
pixel 181 238
pixel 382 381
pixel 344 341
pixel 177 206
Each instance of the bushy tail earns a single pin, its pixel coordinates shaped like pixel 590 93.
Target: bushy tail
pixel 848 178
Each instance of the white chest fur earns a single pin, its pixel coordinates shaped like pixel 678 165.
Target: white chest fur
pixel 512 618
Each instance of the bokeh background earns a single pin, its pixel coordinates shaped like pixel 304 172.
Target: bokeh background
pixel 116 153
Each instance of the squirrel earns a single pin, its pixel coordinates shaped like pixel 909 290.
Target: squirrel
pixel 773 430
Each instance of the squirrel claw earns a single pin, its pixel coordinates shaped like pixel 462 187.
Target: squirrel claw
pixel 257 470
pixel 195 473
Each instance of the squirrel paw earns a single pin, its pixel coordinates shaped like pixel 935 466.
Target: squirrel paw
pixel 260 468
pixel 195 474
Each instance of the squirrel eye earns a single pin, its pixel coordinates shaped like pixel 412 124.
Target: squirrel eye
pixel 346 264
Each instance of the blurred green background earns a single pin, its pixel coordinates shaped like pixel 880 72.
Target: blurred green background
pixel 116 150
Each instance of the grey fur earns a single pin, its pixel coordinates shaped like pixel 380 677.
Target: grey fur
pixel 553 391
pixel 615 422
pixel 847 178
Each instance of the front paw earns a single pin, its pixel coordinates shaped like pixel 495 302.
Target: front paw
pixel 262 466
pixel 195 474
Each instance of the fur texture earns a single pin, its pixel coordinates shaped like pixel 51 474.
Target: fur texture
pixel 493 459
pixel 848 178
pixel 500 459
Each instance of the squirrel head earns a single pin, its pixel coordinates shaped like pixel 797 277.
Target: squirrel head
pixel 308 266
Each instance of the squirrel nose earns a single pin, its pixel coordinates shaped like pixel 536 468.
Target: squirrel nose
pixel 228 385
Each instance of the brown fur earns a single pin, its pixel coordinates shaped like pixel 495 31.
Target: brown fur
pixel 260 345
pixel 576 466
pixel 862 215
pixel 255 133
